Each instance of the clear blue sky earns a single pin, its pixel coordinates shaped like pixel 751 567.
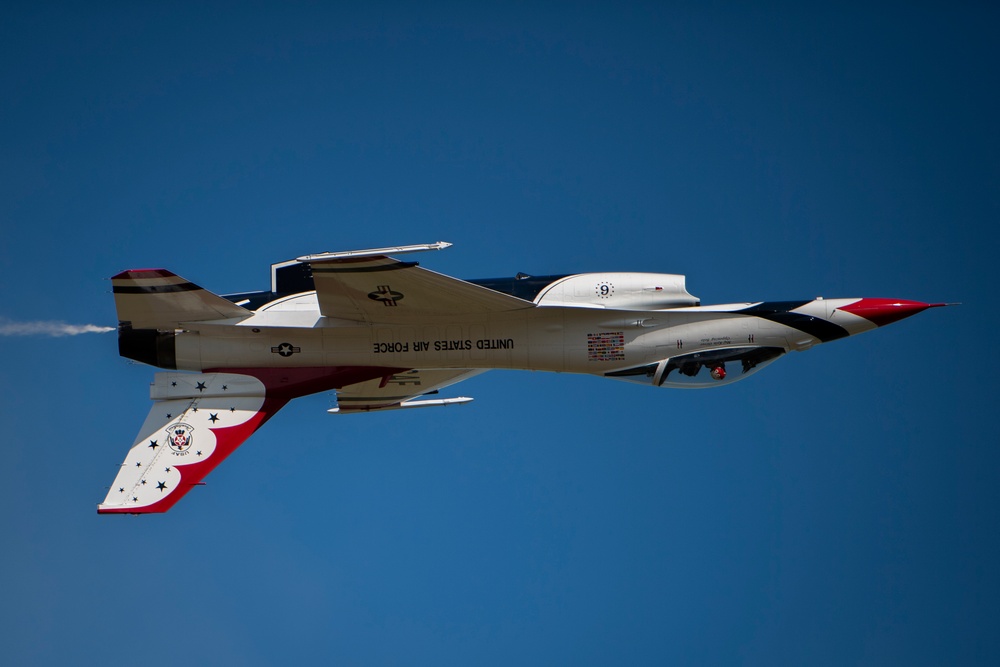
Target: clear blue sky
pixel 838 508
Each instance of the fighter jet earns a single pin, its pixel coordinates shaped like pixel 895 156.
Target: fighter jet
pixel 387 334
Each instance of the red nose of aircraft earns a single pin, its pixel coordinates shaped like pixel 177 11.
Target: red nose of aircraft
pixel 887 311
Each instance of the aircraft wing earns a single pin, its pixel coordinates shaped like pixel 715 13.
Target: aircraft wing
pixel 370 286
pixel 402 390
pixel 197 420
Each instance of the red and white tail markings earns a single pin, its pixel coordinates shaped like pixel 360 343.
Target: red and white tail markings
pixel 195 422
pixel 199 419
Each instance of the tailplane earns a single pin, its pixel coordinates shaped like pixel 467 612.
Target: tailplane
pixel 160 299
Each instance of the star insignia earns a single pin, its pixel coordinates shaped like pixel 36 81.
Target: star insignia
pixel 121 490
pixel 225 387
pixel 198 453
pixel 138 464
pixel 153 445
pixel 169 416
pixel 144 482
pixel 213 418
pixel 134 499
pixel 286 349
pixel 173 384
pixel 194 409
pixel 201 386
pixel 167 469
pixel 232 409
pixel 161 486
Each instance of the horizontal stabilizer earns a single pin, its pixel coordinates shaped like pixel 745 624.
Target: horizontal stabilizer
pixel 159 299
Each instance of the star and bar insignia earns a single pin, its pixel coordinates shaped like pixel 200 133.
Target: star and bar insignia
pixel 286 349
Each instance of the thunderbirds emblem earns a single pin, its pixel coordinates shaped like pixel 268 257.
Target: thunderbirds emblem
pixel 179 437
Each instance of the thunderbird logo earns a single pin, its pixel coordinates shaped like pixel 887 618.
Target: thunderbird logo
pixel 387 296
pixel 179 437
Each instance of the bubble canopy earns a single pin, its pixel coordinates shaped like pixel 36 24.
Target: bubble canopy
pixel 708 368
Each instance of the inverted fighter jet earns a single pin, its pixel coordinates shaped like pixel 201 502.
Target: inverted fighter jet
pixel 387 334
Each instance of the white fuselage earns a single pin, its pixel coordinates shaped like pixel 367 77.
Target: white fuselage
pixel 291 333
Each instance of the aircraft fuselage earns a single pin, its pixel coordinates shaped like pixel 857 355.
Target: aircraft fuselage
pixel 554 338
pixel 387 334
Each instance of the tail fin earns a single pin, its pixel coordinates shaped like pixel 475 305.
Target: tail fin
pixel 197 420
pixel 159 299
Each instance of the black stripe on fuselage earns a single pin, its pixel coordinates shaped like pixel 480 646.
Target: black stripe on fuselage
pixel 780 312
pixel 363 269
pixel 153 289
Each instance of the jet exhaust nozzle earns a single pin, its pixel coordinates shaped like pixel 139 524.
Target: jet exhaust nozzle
pixel 148 346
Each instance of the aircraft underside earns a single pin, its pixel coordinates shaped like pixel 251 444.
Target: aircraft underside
pixel 386 334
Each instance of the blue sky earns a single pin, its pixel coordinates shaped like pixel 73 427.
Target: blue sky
pixel 838 508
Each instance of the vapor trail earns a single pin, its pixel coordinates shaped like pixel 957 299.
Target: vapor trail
pixel 48 328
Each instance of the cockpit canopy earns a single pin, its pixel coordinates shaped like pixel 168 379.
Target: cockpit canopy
pixel 708 368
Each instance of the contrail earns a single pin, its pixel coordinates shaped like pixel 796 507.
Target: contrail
pixel 48 328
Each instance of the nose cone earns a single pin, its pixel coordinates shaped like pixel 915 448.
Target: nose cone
pixel 887 311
